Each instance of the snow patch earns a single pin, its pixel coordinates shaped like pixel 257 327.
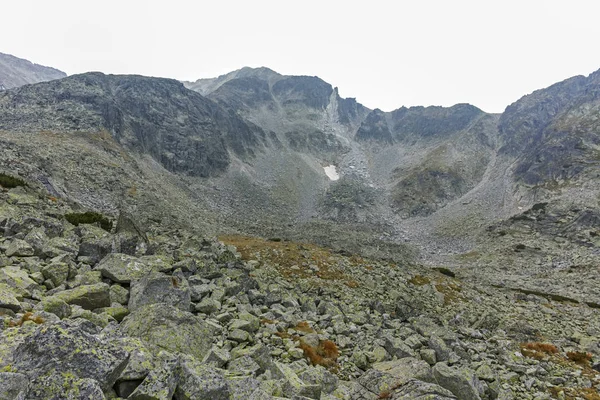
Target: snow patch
pixel 331 172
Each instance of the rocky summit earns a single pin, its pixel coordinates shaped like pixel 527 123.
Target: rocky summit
pixel 257 236
pixel 15 72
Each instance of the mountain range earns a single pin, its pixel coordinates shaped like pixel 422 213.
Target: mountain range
pixel 440 237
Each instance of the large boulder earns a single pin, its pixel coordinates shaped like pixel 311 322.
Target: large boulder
pixel 167 327
pixel 13 385
pixel 461 381
pixel 123 268
pixel 20 248
pixel 159 288
pixel 72 348
pixel 89 297
pixel 9 298
pixel 199 381
pixel 387 375
pixel 95 242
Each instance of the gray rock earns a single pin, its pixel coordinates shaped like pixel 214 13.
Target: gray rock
pixel 156 288
pixel 293 385
pixel 89 297
pixel 396 348
pixel 462 382
pixel 13 385
pixel 55 306
pixel 123 268
pixel 72 347
pixel 417 390
pixel 162 380
pixel 64 386
pixel 208 306
pixel 217 357
pixel 57 272
pixel 19 248
pixel 246 388
pixel 389 374
pixel 166 327
pixel 243 366
pixel 199 381
pixel 95 242
pixel 428 355
pixel 118 294
pixel 442 351
pixel 8 298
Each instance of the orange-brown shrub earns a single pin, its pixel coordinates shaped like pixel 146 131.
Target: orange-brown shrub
pixel 28 316
pixel 386 394
pixel 580 357
pixel 329 349
pixel 325 354
pixel 303 326
pixel 538 350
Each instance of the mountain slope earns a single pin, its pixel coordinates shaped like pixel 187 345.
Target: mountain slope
pixel 180 129
pixel 15 72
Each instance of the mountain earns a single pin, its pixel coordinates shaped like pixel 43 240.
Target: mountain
pixel 15 72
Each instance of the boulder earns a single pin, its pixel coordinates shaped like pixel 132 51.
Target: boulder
pixel 161 381
pixel 89 297
pixel 95 242
pixel 70 347
pixel 123 268
pixel 462 382
pixel 19 248
pixel 8 298
pixel 159 288
pixel 199 381
pixel 162 326
pixel 13 385
pixel 417 390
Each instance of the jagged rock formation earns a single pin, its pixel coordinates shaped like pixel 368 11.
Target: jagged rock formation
pixel 15 72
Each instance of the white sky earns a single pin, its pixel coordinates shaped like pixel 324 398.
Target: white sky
pixel 384 53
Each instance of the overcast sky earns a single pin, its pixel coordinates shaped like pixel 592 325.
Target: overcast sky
pixel 384 53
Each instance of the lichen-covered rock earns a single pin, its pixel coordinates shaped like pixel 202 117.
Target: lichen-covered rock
pixel 217 357
pixel 462 382
pixel 20 248
pixel 123 268
pixel 118 294
pixel 8 298
pixel 70 347
pixel 243 366
pixel 208 306
pixel 199 381
pixel 89 297
pixel 57 272
pixel 95 242
pixel 19 280
pixel 166 327
pixel 159 288
pixel 391 374
pixel 162 380
pixel 246 388
pixel 292 385
pixel 13 385
pixel 396 348
pixel 55 306
pixel 417 390
pixel 64 386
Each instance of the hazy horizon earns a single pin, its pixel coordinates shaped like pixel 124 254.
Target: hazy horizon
pixel 386 56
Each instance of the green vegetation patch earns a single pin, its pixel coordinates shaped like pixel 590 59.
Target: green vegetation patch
pixel 9 182
pixel 90 218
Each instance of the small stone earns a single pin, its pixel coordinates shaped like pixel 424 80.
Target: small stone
pixel 239 336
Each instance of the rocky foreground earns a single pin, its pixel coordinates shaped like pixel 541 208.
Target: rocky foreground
pixel 108 312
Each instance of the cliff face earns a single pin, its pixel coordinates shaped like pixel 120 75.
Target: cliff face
pixel 181 129
pixel 15 72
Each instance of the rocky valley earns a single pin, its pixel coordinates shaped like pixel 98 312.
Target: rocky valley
pixel 258 236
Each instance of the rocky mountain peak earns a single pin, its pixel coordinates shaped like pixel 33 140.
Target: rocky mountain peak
pixel 15 72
